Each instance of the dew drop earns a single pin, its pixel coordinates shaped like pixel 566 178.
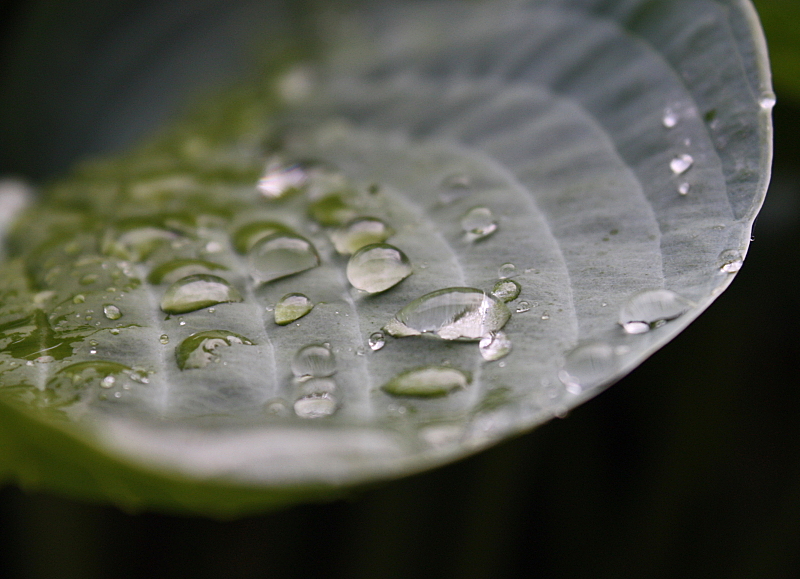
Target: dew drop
pixel 315 406
pixel 280 180
pixel 732 261
pixel 112 312
pixel 172 271
pixel 314 360
pixel 506 290
pixel 478 223
pixel 196 292
pixel 332 210
pixel 114 331
pixel 523 307
pixel 199 350
pixel 108 382
pixel 280 255
pixel 506 270
pixel 494 346
pixel 767 100
pixel 376 341
pixel 79 299
pixel 545 315
pixel 588 366
pixel 427 382
pixel 650 309
pixel 683 188
pixel 248 235
pixel 680 164
pixel 458 313
pixel 377 267
pixel 670 118
pixel 292 307
pixel 138 243
pixel 360 232
pixel 164 339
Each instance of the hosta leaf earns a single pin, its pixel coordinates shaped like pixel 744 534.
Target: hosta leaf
pixel 531 196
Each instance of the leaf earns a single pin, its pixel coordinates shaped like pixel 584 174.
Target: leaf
pixel 604 161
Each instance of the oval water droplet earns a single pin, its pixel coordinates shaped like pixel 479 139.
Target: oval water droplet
pixel 292 307
pixel 172 271
pixel 280 255
pixel 506 290
pixel 315 361
pixel 767 100
pixel 315 406
pixel 478 223
pixel 523 307
pixel 164 339
pixel 427 382
pixel 588 366
pixel 248 235
pixel 731 260
pixel 682 163
pixel 279 180
pixel 506 270
pixel 650 309
pixel 196 292
pixel 360 232
pixel 458 313
pixel 683 188
pixel 199 349
pixel 670 118
pixel 112 312
pixel 376 341
pixel 495 346
pixel 377 267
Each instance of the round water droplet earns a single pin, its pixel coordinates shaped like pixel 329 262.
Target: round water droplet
pixel 427 382
pixel 683 188
pixel 108 382
pixel 280 255
pixel 588 366
pixel 506 270
pixel 680 164
pixel 458 313
pixel 280 180
pixel 523 307
pixel 249 234
pixel 767 100
pixel 315 360
pixel 196 292
pixel 376 341
pixel 292 307
pixel 360 232
pixel 495 346
pixel 506 290
pixel 79 299
pixel 478 223
pixel 199 350
pixel 650 309
pixel 670 118
pixel 315 406
pixel 112 312
pixel 172 271
pixel 164 339
pixel 731 260
pixel 377 267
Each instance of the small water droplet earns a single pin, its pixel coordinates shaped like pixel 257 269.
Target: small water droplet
pixel 332 210
pixel 377 267
pixel 494 346
pixel 506 290
pixel 506 270
pixel 280 255
pixel 376 341
pixel 670 118
pixel 79 299
pixel 523 307
pixel 478 223
pixel 112 312
pixel 292 307
pixel 650 309
pixel 588 366
pixel 683 188
pixel 108 382
pixel 545 315
pixel 360 232
pixel 199 350
pixel 280 180
pixel 732 261
pixel 314 360
pixel 315 406
pixel 164 339
pixel 682 163
pixel 196 292
pixel 427 382
pixel 767 100
pixel 114 331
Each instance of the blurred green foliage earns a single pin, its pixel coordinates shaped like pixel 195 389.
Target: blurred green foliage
pixel 781 21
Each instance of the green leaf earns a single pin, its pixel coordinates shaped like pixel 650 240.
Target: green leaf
pixel 571 182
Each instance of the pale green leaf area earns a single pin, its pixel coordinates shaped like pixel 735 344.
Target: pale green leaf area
pixel 605 159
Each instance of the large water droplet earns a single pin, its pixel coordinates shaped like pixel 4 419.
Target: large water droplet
pixel 494 346
pixel 172 271
pixel 315 360
pixel 112 312
pixel 196 292
pixel 360 232
pixel 292 307
pixel 731 260
pixel 680 164
pixel 458 313
pixel 376 341
pixel 280 255
pixel 650 309
pixel 427 382
pixel 249 234
pixel 506 290
pixel 315 406
pixel 198 350
pixel 377 267
pixel 279 180
pixel 478 223
pixel 588 366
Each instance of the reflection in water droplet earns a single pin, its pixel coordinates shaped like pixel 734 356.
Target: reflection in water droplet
pixel 767 100
pixel 732 260
pixel 280 255
pixel 315 406
pixel 495 346
pixel 112 312
pixel 279 180
pixel 458 313
pixel 523 307
pixel 650 309
pixel 478 223
pixel 427 382
pixel 588 366
pixel 377 267
pixel 164 339
pixel 681 164
pixel 196 292
pixel 670 119
pixel 683 188
pixel 251 233
pixel 292 307
pixel 506 290
pixel 108 382
pixel 376 341
pixel 315 360
pixel 506 270
pixel 172 271
pixel 360 232
pixel 198 350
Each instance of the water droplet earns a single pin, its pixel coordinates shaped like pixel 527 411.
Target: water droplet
pixel 545 315
pixel 683 188
pixel 506 290
pixel 376 341
pixel 650 309
pixel 79 299
pixel 360 232
pixel 732 261
pixel 681 164
pixel 427 382
pixel 495 346
pixel 88 279
pixel 670 118
pixel 44 359
pixel 138 243
pixel 112 312
pixel 292 307
pixel 249 234
pixel 196 292
pixel 523 307
pixel 280 255
pixel 588 366
pixel 506 270
pixel 315 406
pixel 458 313
pixel 280 180
pixel 108 382
pixel 172 271
pixel 164 339
pixel 199 350
pixel 332 210
pixel 478 223
pixel 114 331
pixel 315 360
pixel 377 267
pixel 767 100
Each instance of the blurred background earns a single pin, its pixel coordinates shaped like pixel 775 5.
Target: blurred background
pixel 688 467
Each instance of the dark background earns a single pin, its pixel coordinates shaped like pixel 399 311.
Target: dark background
pixel 688 467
